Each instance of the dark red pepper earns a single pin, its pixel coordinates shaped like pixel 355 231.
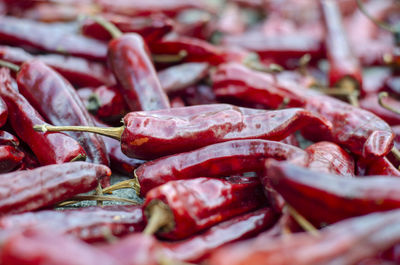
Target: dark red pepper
pixel 10 158
pixel 49 148
pixel 3 112
pixel 46 186
pixel 379 166
pixel 7 138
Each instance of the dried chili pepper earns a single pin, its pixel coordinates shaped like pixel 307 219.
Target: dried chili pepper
pixel 177 102
pixel 48 247
pixel 78 71
pixel 379 166
pixel 198 247
pixel 181 208
pixel 179 77
pixel 45 186
pixel 3 112
pixel 39 83
pixel 371 103
pixel 89 224
pixel 151 28
pixel 10 158
pixel 326 198
pixel 50 38
pixel 348 242
pixel 7 138
pixel 152 134
pixel 106 103
pixel 218 160
pixel 343 63
pixel 50 148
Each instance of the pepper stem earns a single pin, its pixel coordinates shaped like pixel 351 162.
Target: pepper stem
pixel 79 157
pixel 169 58
pixel 303 222
pixel 383 95
pixel 79 198
pixel 160 217
pixel 377 22
pixel 107 25
pixel 126 184
pixel 9 65
pixel 113 132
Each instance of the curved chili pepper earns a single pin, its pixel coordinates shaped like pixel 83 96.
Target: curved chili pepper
pixel 342 61
pixel 104 102
pixel 7 138
pixel 358 130
pixel 179 77
pixel 151 28
pixel 326 198
pixel 189 206
pixel 89 224
pixel 39 83
pixel 10 158
pixel 50 148
pixel 198 247
pixel 48 247
pixel 379 166
pixel 348 242
pixel 78 71
pixel 50 38
pixel 217 160
pixel 371 103
pixel 179 129
pixel 45 186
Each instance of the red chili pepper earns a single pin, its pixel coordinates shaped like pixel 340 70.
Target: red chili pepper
pixel 48 247
pixel 181 208
pixel 358 130
pixel 198 247
pixel 50 38
pixel 343 63
pixel 182 76
pixel 348 242
pixel 371 103
pixel 90 224
pixel 291 140
pixel 151 28
pixel 217 160
pixel 78 71
pixel 104 102
pixel 7 138
pixel 326 198
pixel 10 158
pixel 199 95
pixel 50 148
pixel 379 166
pixel 177 102
pixel 39 84
pixel 3 112
pixel 29 161
pixel 194 23
pixel 45 186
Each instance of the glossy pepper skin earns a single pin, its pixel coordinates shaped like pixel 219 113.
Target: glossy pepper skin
pixel 78 71
pixel 88 224
pixel 45 186
pixel 217 160
pixel 39 83
pixel 348 242
pixel 199 247
pixel 360 131
pixel 343 63
pixel 380 166
pixel 10 158
pixel 179 129
pixel 50 38
pixel 49 147
pixel 151 28
pixel 197 204
pixel 7 138
pixel 131 64
pixel 326 198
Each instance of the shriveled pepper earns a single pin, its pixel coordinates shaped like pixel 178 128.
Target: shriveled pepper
pixel 181 208
pixel 152 134
pixel 49 148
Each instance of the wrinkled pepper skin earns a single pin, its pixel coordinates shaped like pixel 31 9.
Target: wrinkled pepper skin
pixel 10 158
pixel 37 188
pixel 198 247
pixel 348 242
pixel 217 160
pixel 49 147
pixel 89 224
pixel 360 131
pixel 379 166
pixel 39 83
pixel 188 128
pixel 78 71
pixel 326 198
pixel 131 64
pixel 197 204
pixel 48 247
pixel 50 38
pixel 343 63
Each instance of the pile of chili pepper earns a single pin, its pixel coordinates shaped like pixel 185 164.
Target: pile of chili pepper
pixel 199 132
